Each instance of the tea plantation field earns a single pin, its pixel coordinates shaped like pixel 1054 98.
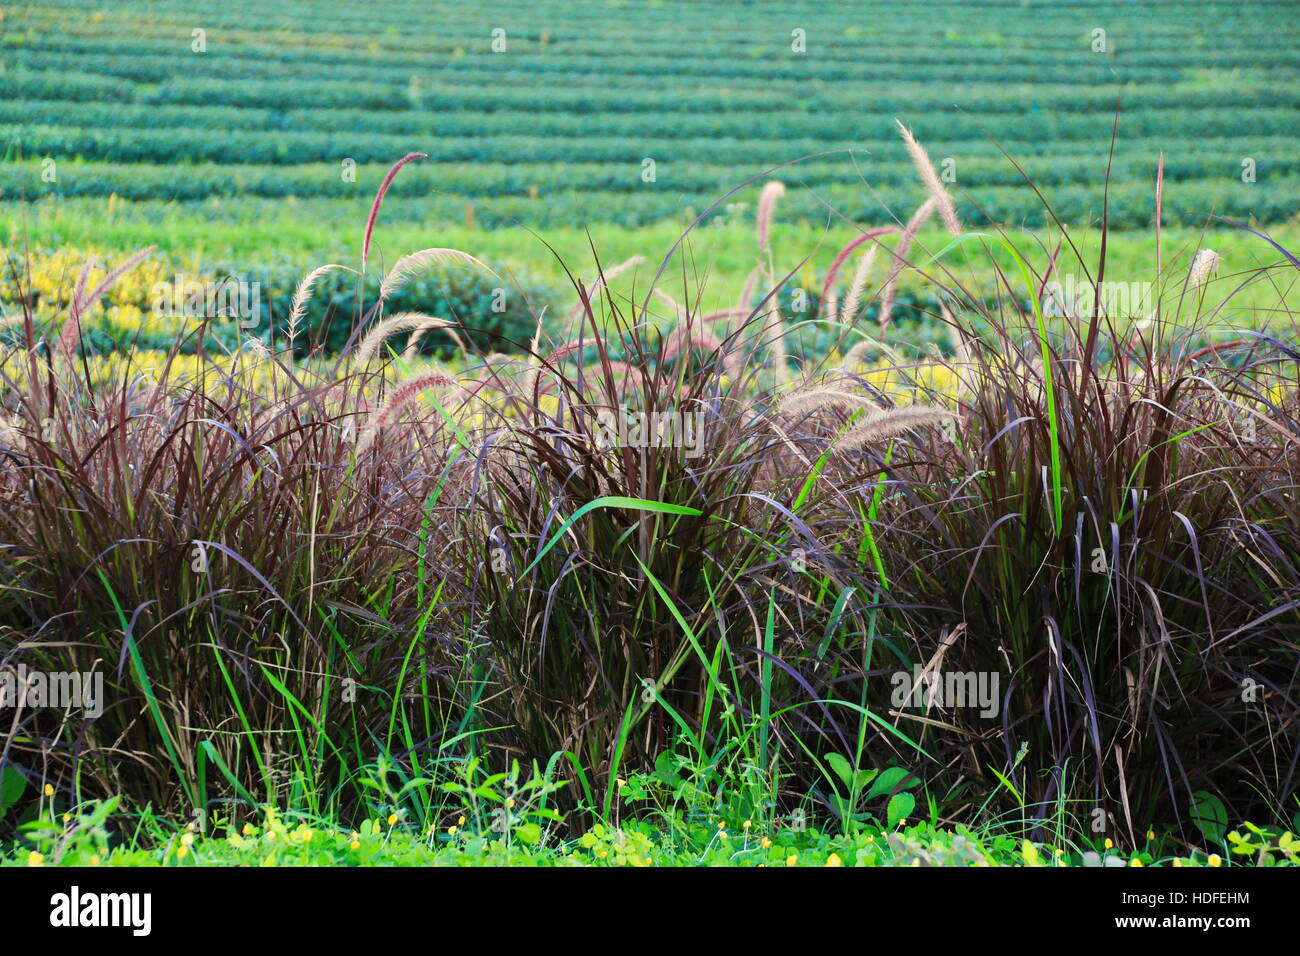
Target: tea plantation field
pixel 553 114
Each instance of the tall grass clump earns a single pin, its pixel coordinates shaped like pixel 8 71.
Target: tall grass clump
pixel 1111 532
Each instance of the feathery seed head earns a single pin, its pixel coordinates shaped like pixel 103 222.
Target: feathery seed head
pixel 403 395
pixel 892 424
pixel 766 206
pixel 402 322
pixel 1205 265
pixel 938 192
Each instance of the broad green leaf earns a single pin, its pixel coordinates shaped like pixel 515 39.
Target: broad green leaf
pixel 900 807
pixel 1030 854
pixel 841 768
pixel 889 780
pixel 1209 815
pixel 862 778
pixel 12 785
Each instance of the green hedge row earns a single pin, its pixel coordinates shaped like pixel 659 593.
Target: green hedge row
pixel 1275 165
pixel 1131 205
pixel 156 63
pixel 908 98
pixel 493 314
pixel 913 98
pixel 1149 33
pixel 457 132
